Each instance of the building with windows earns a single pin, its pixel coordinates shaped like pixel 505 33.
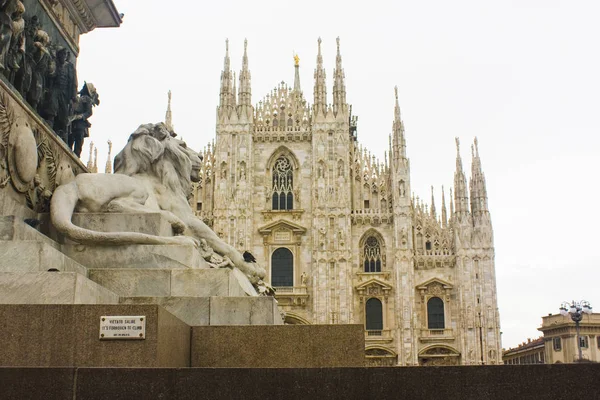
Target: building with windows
pixel 337 230
pixel 560 338
pixel 531 352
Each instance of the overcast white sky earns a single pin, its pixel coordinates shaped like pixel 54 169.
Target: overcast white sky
pixel 523 76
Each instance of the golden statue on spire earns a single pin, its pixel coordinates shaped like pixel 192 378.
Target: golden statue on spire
pixel 296 60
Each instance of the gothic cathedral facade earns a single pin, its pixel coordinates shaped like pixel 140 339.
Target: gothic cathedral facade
pixel 340 236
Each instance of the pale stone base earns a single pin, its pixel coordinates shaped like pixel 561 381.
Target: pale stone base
pixel 169 282
pixel 136 256
pixel 34 256
pixel 175 277
pixel 15 228
pixel 149 223
pixel 201 311
pixel 52 288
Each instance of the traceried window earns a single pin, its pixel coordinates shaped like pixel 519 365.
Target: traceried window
pixel 435 313
pixel 283 185
pixel 372 255
pixel 282 268
pixel 374 314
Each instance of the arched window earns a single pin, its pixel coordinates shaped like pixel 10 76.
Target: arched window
pixel 282 268
pixel 374 314
pixel 372 255
pixel 435 313
pixel 283 185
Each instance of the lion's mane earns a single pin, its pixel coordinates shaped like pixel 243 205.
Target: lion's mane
pixel 151 150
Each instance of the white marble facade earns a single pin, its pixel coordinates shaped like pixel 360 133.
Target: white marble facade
pixel 348 208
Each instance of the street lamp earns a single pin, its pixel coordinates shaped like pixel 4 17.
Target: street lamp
pixel 576 311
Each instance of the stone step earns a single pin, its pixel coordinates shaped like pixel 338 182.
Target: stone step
pixel 170 282
pixel 202 311
pixel 136 256
pixel 15 228
pixel 52 288
pixel 21 256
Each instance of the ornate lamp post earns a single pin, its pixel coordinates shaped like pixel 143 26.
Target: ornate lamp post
pixel 576 311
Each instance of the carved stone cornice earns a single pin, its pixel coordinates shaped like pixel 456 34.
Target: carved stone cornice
pixel 435 261
pixel 282 136
pixel 268 215
pixel 82 14
pixel 371 217
pixel 435 287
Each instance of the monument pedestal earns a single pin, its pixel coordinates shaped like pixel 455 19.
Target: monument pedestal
pixel 69 335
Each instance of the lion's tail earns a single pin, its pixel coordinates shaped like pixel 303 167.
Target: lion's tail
pixel 62 206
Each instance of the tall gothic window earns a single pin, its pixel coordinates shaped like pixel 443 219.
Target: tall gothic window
pixel 374 314
pixel 283 185
pixel 372 255
pixel 282 268
pixel 435 313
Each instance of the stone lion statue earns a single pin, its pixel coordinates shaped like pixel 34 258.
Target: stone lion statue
pixel 153 173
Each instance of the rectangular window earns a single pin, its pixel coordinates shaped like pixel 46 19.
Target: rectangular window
pixel 366 204
pixel 583 342
pixel 556 344
pixel 199 206
pixel 598 339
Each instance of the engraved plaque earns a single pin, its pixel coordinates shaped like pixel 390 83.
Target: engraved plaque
pixel 122 327
pixel 283 236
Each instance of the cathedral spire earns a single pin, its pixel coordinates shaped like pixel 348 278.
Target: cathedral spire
pixel 95 166
pixel 233 92
pixel 90 163
pixel 226 83
pixel 169 114
pixel 479 198
pixel 433 214
pixel 451 205
pixel 399 142
pixel 444 214
pixel 460 186
pixel 339 86
pixel 108 167
pixel 297 74
pixel 245 90
pixel 320 92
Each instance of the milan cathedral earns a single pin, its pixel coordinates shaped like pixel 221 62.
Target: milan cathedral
pixel 341 237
